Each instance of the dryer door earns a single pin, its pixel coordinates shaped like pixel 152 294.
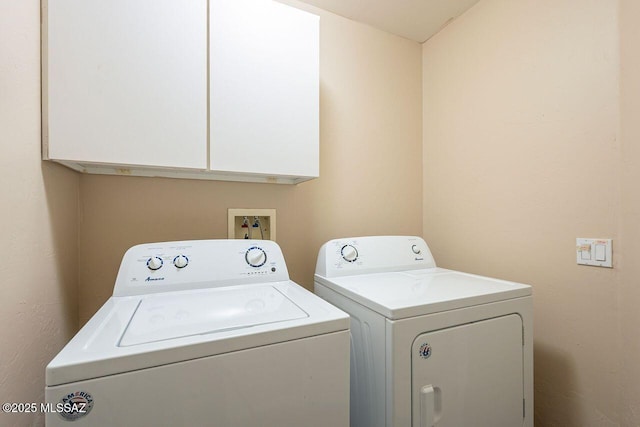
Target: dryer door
pixel 469 375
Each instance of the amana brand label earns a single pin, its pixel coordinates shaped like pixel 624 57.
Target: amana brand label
pixel 75 405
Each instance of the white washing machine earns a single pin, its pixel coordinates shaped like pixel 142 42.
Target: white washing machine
pixel 429 346
pixel 205 333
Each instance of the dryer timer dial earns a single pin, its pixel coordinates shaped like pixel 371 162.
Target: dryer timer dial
pixel 349 253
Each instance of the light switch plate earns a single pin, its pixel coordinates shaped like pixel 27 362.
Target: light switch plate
pixel 595 252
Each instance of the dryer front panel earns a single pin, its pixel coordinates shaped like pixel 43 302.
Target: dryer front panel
pixel 469 375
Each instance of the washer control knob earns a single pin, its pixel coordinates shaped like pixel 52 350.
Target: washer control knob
pixel 181 261
pixel 154 263
pixel 416 250
pixel 349 253
pixel 255 256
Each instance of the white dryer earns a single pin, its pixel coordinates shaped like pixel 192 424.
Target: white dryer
pixel 430 346
pixel 204 333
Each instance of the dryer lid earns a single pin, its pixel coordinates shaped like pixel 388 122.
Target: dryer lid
pixel 398 295
pixel 165 316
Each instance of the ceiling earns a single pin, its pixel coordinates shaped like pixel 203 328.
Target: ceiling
pixel 413 19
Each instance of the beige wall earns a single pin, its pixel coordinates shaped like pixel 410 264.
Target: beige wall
pixel 629 285
pixel 370 171
pixel 38 223
pixel 522 154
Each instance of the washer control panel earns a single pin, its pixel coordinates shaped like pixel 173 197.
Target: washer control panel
pixel 364 255
pixel 196 264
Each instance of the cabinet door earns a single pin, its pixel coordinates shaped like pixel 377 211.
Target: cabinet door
pixel 264 88
pixel 469 375
pixel 125 82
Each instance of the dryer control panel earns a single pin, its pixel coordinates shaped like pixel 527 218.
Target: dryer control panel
pixel 198 264
pixel 365 255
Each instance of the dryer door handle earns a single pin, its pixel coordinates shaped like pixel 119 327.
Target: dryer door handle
pixel 427 406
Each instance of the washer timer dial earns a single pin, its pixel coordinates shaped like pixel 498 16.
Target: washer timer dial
pixel 255 256
pixel 154 263
pixel 349 253
pixel 181 261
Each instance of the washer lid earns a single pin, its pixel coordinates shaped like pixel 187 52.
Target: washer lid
pixel 399 295
pixel 138 332
pixel 165 316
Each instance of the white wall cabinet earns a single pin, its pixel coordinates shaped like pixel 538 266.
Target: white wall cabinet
pixel 125 82
pixel 218 89
pixel 264 102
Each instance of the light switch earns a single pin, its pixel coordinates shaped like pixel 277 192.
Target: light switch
pixel 595 252
pixel 585 252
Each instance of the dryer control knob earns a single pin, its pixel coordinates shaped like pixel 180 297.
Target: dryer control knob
pixel 154 263
pixel 349 253
pixel 416 250
pixel 255 256
pixel 181 261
